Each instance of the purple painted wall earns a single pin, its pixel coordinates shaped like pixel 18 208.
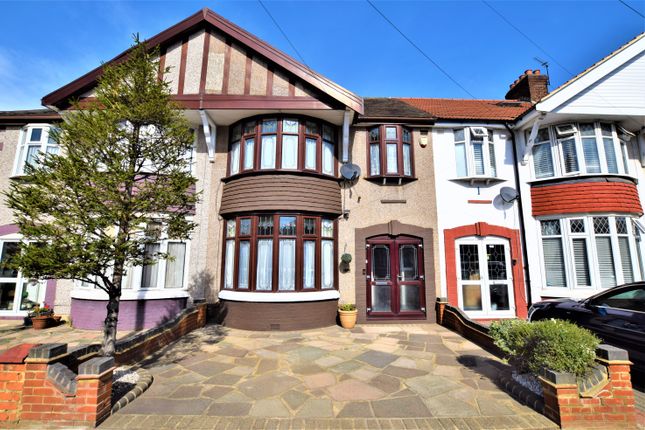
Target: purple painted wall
pixel 50 293
pixel 133 314
pixel 8 229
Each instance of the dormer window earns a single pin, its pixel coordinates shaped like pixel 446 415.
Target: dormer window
pixel 289 143
pixel 475 153
pixel 35 140
pixel 390 152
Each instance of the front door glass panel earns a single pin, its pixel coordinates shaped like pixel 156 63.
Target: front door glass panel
pixel 381 262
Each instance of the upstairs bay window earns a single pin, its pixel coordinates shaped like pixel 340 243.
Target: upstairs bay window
pixel 475 153
pixel 287 144
pixel 279 253
pixel 390 152
pixel 35 140
pixel 579 148
pixel 589 252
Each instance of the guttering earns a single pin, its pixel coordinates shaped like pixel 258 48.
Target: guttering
pixel 210 133
pixel 347 119
pixel 520 208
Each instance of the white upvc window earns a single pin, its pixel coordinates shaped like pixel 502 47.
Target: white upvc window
pixel 17 293
pixel 475 152
pixel 35 140
pixel 589 252
pixel 572 149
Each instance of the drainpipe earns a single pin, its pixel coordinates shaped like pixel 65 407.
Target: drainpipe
pixel 520 208
pixel 347 119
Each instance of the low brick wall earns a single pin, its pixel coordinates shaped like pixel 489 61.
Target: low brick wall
pixel 49 386
pixel 607 403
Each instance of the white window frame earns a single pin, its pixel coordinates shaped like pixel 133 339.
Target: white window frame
pixel 567 237
pixel 21 152
pixel 484 281
pixel 558 157
pixel 471 171
pixel 20 282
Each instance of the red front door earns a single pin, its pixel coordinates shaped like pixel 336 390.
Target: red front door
pixel 395 278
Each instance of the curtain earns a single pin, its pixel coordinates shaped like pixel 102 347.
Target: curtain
pixel 626 259
pixel 32 152
pixel 327 278
pixel 310 154
pixel 542 160
pixel 606 262
pixel 590 149
pixel 287 268
pixel 243 277
pixel 264 273
pixel 149 272
pixel 268 152
pixel 309 264
pixel 569 155
pixel 407 160
pixel 235 157
pixel 328 158
pixel 581 262
pixel 554 262
pixel 249 152
pixel 175 268
pixel 229 264
pixel 289 151
pixel 460 158
pixel 610 155
pixel 478 154
pixel 375 160
pixel 391 162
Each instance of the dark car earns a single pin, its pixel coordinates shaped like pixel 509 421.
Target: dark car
pixel 616 315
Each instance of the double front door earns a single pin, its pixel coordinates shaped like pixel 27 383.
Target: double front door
pixel 395 277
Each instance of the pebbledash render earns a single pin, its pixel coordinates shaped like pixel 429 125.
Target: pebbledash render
pixel 313 195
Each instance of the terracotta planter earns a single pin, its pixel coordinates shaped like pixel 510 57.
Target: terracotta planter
pixel 42 322
pixel 348 318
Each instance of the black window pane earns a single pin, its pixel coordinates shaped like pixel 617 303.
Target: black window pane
pixel 8 251
pixel 469 257
pixel 381 262
pixel 245 226
pixel 499 298
pixel 288 225
pixel 408 262
pixel 265 225
pixel 496 262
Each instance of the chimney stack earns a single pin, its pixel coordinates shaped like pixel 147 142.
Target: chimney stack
pixel 531 86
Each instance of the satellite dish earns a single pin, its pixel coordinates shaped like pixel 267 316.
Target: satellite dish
pixel 508 194
pixel 350 171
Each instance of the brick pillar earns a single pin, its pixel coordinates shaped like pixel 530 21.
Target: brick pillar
pixel 94 389
pixel 440 308
pixel 12 377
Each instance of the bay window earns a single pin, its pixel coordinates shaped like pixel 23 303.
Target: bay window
pixel 589 252
pixel 35 140
pixel 289 143
pixel 390 152
pixel 579 148
pixel 475 153
pixel 279 253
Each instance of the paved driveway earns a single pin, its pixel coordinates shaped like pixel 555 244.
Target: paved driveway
pixel 375 376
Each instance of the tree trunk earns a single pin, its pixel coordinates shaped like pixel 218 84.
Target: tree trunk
pixel 109 326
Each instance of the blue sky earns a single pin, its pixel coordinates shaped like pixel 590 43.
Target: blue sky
pixel 44 45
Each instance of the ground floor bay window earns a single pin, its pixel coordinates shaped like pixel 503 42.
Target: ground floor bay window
pixel 279 253
pixel 18 295
pixel 581 255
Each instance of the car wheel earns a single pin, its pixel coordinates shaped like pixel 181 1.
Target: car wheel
pixel 536 316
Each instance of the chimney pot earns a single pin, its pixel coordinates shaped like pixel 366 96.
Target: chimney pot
pixel 536 72
pixel 528 72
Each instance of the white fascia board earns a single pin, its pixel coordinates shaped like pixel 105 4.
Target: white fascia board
pixel 210 133
pixel 249 296
pixel 588 78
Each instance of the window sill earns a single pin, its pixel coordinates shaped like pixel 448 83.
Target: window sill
pixel 252 296
pixel 479 180
pixel 571 293
pixel 391 180
pixel 96 294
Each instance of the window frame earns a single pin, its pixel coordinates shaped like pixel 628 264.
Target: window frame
pixel 620 147
pixel 21 283
pixel 383 143
pixel 20 158
pixel 491 169
pixel 303 134
pixel 567 237
pixel 300 237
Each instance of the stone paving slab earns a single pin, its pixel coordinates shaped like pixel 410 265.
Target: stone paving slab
pixel 372 377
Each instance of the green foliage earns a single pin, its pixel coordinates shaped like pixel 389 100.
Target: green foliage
pixel 550 344
pixel 86 212
pixel 347 307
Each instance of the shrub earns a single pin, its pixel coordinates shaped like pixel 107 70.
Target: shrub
pixel 347 307
pixel 550 344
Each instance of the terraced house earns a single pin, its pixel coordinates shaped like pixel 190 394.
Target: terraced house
pixel 314 195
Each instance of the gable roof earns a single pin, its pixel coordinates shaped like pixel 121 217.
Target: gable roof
pixel 467 109
pixel 592 74
pixel 207 17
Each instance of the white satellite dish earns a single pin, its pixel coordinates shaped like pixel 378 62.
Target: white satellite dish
pixel 506 198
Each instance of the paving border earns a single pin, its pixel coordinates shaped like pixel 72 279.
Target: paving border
pixel 145 380
pixel 520 392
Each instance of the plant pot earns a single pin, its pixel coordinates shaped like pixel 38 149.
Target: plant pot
pixel 42 322
pixel 347 318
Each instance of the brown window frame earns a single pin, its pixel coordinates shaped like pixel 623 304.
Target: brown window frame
pixel 300 238
pixel 382 142
pixel 302 134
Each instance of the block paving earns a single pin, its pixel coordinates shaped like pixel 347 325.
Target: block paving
pixel 374 376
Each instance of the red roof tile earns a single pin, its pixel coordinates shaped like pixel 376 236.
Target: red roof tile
pixel 496 110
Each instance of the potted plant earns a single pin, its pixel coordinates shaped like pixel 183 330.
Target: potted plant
pixel 42 317
pixel 347 314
